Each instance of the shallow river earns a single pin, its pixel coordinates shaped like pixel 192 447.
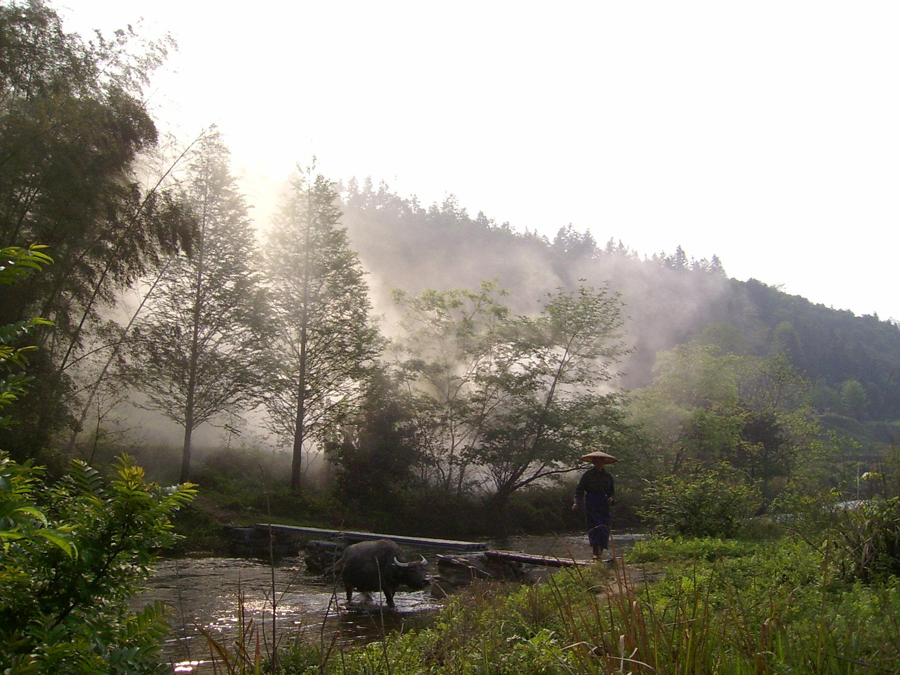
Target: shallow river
pixel 206 596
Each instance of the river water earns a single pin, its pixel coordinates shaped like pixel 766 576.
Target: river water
pixel 215 596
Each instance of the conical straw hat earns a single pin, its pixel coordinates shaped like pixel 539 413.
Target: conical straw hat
pixel 599 454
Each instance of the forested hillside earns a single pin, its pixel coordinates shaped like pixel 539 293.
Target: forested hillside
pixel 669 298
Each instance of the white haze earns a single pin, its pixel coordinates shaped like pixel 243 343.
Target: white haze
pixel 763 132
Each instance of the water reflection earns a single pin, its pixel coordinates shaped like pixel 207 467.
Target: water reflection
pixel 218 596
pixel 209 594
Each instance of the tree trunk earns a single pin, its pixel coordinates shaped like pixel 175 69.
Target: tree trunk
pixel 299 430
pixel 297 456
pixel 186 453
pixel 195 343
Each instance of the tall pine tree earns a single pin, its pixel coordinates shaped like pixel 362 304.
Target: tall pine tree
pixel 326 341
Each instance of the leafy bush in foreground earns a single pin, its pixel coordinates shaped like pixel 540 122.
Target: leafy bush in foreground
pixel 73 554
pixel 679 549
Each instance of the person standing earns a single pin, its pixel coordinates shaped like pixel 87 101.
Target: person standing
pixel 594 495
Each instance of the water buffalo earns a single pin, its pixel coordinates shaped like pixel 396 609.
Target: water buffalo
pixel 379 565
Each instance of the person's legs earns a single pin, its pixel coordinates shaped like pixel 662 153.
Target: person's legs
pixel 598 536
pixel 598 529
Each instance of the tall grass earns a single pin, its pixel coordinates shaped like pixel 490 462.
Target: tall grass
pixel 777 610
pixel 772 608
pixel 241 657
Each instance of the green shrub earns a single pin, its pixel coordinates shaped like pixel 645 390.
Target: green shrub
pixel 664 549
pixel 705 503
pixel 542 509
pixel 240 469
pixel 868 540
pixel 805 512
pixel 73 555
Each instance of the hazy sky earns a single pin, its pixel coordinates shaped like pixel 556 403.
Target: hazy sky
pixel 767 133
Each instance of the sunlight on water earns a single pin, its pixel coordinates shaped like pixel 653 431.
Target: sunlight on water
pixel 206 594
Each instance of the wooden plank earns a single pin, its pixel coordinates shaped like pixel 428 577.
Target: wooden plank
pixel 543 560
pixel 421 542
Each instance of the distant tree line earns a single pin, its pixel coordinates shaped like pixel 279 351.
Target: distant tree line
pixel 669 298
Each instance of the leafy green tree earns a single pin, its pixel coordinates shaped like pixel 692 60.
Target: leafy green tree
pixel 16 264
pixel 570 251
pixel 662 422
pixel 376 452
pixel 665 306
pixel 824 398
pixel 853 398
pixel 678 413
pixel 778 429
pixel 786 340
pixel 550 407
pixel 710 406
pixel 325 342
pixel 72 554
pixel 885 479
pixel 514 399
pixel 697 376
pixel 704 502
pixel 726 336
pixel 447 357
pixel 868 540
pixel 198 351
pixel 20 519
pixel 72 127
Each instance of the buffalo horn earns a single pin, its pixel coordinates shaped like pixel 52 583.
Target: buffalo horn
pixel 410 564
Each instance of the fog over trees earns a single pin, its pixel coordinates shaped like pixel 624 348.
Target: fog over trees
pixel 73 130
pixel 505 354
pixel 197 349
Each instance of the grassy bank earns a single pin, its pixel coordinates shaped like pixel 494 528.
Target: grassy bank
pixel 716 606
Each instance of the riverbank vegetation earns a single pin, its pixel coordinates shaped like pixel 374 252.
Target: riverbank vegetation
pixel 784 604
pixel 74 551
pixel 795 600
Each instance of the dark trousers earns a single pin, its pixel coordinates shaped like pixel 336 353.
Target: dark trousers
pixel 596 512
